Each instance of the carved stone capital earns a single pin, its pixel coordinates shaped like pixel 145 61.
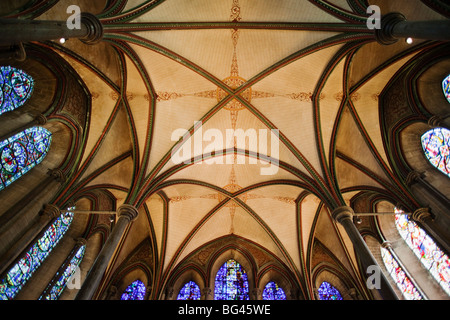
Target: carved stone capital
pixel 385 35
pixel 257 293
pixel 19 52
pixel 434 121
pixel 81 241
pixel 128 211
pixel 206 292
pixel 57 174
pixel 94 28
pixel 386 245
pixel 422 215
pixel 412 178
pixel 342 213
pixel 51 211
pixel 41 119
pixel 169 292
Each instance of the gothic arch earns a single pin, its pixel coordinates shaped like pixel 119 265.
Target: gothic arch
pixel 191 273
pixel 410 105
pixel 273 273
pixel 240 256
pixel 326 267
pixel 331 275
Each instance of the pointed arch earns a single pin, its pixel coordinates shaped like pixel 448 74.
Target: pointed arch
pixel 327 292
pixel 135 291
pixel 436 146
pixel 16 87
pixel 446 87
pixel 231 282
pixel 62 277
pixel 20 153
pixel 273 292
pixel 190 291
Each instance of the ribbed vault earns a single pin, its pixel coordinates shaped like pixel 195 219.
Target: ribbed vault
pixel 309 69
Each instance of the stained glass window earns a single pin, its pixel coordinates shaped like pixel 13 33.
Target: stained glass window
pixel 436 145
pixel 56 288
pixel 426 250
pixel 446 87
pixel 22 271
pixel 190 291
pixel 21 152
pixel 403 282
pixel 231 282
pixel 273 292
pixel 15 88
pixel 328 292
pixel 135 291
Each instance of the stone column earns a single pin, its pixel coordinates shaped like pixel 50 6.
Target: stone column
pixel 168 295
pixel 344 216
pixel 15 31
pixel 112 293
pixel 395 26
pixel 206 294
pixel 13 214
pixel 40 120
pixel 257 294
pixel 126 214
pixel 49 213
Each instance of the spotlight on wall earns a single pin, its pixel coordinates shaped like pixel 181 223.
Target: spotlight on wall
pixel 62 40
pixel 409 40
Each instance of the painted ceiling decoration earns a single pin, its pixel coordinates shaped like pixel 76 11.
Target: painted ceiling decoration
pixel 309 70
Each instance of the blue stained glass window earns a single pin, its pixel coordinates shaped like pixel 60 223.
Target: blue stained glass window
pixel 20 153
pixel 328 292
pixel 55 289
pixel 190 291
pixel 446 87
pixel 15 88
pixel 231 282
pixel 273 292
pixel 22 271
pixel 436 145
pixel 135 291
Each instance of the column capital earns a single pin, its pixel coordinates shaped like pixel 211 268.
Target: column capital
pixel 128 211
pixel 422 215
pixel 57 174
pixel 81 241
pixel 434 121
pixel 257 293
pixel 342 213
pixel 51 211
pixel 169 292
pixel 41 119
pixel 94 28
pixel 385 34
pixel 412 178
pixel 386 245
pixel 206 292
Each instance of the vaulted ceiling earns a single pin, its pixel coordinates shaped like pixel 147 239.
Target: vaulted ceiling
pixel 309 69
